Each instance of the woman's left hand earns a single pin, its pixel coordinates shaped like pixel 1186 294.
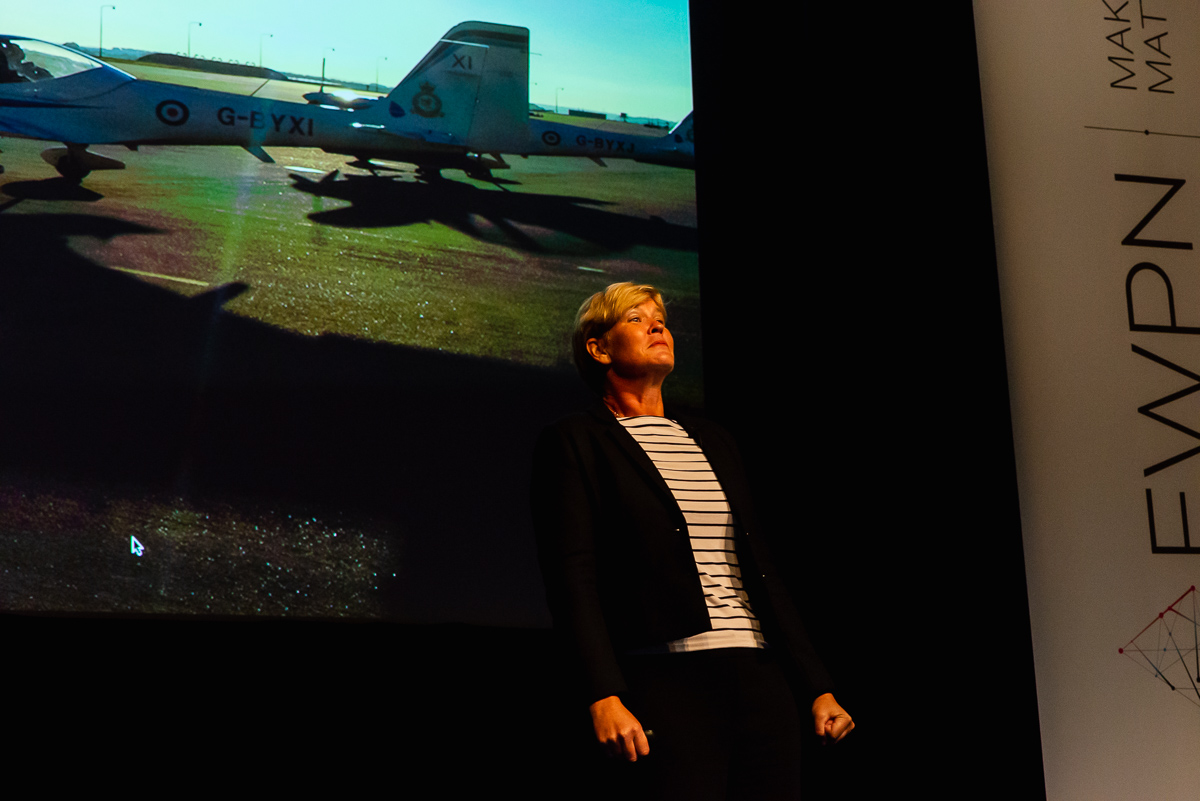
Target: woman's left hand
pixel 832 723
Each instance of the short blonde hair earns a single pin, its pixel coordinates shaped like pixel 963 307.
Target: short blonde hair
pixel 597 315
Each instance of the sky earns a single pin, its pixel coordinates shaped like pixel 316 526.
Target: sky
pixel 614 56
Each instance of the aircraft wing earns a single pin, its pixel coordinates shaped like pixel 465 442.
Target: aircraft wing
pixel 432 137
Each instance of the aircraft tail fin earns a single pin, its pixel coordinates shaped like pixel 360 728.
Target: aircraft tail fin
pixel 470 90
pixel 683 134
pixel 675 149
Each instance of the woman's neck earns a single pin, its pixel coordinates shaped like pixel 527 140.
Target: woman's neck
pixel 631 402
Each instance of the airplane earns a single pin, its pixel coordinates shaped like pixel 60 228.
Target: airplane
pixel 676 149
pixel 468 97
pixel 462 106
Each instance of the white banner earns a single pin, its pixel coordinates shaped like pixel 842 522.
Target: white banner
pixel 1092 114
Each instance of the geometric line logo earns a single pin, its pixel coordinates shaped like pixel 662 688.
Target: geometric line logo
pixel 1167 648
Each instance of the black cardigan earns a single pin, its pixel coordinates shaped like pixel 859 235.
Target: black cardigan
pixel 616 557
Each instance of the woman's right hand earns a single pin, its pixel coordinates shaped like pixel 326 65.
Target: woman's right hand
pixel 618 730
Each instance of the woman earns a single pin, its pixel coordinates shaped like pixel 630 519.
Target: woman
pixel 659 584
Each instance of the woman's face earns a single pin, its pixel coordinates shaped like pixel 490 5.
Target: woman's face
pixel 638 344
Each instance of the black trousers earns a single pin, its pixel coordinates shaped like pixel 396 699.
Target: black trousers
pixel 724 725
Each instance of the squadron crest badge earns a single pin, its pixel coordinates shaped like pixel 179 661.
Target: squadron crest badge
pixel 426 103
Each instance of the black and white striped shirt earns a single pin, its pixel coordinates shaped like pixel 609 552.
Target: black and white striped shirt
pixel 691 480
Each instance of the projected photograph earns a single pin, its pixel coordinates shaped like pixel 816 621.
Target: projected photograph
pixel 286 297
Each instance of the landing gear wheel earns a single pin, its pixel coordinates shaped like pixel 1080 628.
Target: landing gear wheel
pixel 71 171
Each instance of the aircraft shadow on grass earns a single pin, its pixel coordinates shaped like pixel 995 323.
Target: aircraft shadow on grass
pixel 121 390
pixel 50 189
pixel 378 202
pixel 113 382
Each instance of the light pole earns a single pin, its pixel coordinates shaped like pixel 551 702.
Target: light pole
pixel 557 89
pixel 114 8
pixel 190 24
pixel 327 50
pixel 381 58
pixel 260 38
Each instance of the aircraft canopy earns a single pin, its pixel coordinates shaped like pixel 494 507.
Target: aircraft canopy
pixel 24 60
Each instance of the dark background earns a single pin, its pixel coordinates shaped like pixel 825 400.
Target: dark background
pixel 857 257
pixel 851 323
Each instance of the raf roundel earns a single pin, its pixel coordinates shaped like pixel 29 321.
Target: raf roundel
pixel 172 112
pixel 551 138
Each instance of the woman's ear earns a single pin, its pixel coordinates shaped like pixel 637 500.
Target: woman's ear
pixel 595 348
